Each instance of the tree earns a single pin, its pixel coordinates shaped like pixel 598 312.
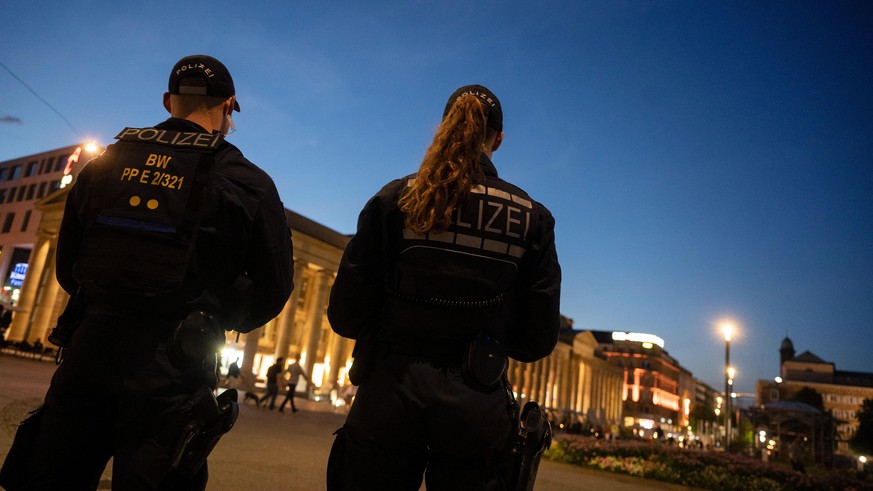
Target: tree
pixel 862 440
pixel 809 396
pixel 700 415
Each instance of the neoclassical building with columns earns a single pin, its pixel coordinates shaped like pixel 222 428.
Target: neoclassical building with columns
pixel 575 381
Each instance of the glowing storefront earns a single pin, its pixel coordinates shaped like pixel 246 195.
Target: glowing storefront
pixel 652 389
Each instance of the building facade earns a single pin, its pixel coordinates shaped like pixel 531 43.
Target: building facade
pixel 653 393
pixel 23 182
pixel 706 417
pixel 843 392
pixel 574 383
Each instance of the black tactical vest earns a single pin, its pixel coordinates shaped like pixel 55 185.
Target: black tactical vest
pixel 453 283
pixel 143 214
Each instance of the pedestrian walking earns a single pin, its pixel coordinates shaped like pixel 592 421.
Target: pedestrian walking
pixel 292 378
pixel 274 378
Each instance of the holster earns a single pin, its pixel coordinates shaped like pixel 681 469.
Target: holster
pixel 195 341
pixel 205 419
pixel 13 474
pixel 192 348
pixel 484 364
pixel 533 438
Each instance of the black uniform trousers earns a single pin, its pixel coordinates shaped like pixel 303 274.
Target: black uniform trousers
pixel 412 417
pixel 114 395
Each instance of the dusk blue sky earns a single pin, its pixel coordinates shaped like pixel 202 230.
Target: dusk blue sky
pixel 704 160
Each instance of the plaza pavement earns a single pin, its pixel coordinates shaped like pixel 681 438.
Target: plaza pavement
pixel 268 450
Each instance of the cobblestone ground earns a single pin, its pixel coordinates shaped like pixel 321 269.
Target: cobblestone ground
pixel 268 450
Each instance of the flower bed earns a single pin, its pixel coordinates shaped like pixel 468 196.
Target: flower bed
pixel 698 468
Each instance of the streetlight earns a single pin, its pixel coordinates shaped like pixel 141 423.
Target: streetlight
pixel 728 331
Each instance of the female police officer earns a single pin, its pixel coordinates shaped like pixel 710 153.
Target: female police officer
pixel 451 270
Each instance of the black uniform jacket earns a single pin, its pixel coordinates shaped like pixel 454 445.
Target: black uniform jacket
pixel 243 250
pixel 494 270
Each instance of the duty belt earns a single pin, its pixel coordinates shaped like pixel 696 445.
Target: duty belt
pixel 449 304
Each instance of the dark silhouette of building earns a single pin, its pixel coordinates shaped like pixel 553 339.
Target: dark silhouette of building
pixel 843 392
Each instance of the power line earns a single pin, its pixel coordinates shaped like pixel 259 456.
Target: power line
pixel 75 130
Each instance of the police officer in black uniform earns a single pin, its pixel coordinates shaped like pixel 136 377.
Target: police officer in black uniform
pixel 169 223
pixel 451 270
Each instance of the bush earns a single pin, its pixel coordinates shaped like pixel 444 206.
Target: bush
pixel 705 469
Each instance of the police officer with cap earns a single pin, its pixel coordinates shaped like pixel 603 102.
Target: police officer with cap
pixel 451 271
pixel 168 238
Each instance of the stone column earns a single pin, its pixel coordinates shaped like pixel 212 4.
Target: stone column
pixel 564 393
pixel 529 380
pixel 316 314
pixel 510 372
pixel 533 388
pixel 251 349
pixel 593 400
pixel 6 261
pixel 516 375
pixel 572 383
pixel 285 321
pixel 544 380
pixel 600 398
pixel 555 381
pixel 46 299
pixel 586 402
pixel 596 400
pixel 551 379
pixel 21 319
pixel 548 379
pixel 336 361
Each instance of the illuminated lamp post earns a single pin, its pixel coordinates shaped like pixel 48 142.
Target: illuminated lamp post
pixel 730 397
pixel 728 330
